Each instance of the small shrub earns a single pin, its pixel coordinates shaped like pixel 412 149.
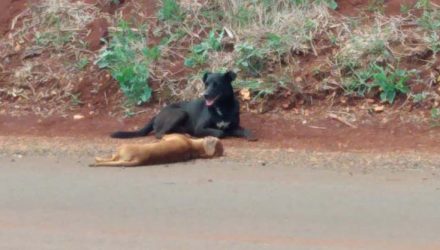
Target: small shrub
pixel 332 4
pixel 128 59
pixel 199 53
pixel 419 97
pixel 390 82
pixel 435 117
pixel 250 59
pixel 81 63
pixel 433 42
pixel 423 4
pixel 170 11
pixel 360 82
pixel 430 20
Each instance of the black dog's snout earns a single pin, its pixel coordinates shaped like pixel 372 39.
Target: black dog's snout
pixel 207 94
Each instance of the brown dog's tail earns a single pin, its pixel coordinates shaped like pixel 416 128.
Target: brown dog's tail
pixel 131 134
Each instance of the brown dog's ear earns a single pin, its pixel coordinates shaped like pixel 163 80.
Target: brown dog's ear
pixel 205 76
pixel 230 75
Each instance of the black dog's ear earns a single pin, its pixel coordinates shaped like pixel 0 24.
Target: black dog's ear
pixel 205 76
pixel 230 75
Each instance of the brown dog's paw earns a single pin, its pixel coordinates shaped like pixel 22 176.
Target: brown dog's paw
pixel 212 146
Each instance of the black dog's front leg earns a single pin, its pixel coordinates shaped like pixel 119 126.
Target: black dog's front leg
pixel 242 132
pixel 202 129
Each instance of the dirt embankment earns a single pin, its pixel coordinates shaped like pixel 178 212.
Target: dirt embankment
pixel 287 125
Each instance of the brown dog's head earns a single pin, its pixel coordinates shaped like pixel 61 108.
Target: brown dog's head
pixel 213 147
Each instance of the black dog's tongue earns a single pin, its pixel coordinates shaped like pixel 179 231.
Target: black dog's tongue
pixel 209 102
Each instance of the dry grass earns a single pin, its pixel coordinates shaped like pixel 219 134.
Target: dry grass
pixel 50 41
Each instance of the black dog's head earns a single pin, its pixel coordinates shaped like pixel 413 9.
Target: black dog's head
pixel 218 86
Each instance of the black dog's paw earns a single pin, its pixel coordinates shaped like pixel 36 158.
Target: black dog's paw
pixel 249 135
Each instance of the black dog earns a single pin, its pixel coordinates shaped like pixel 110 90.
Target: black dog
pixel 217 114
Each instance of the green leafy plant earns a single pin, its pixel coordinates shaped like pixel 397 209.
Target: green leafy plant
pixel 390 82
pixel 430 20
pixel 423 4
pixel 360 82
pixel 250 59
pixel 199 53
pixel 435 117
pixel 81 63
pixel 376 5
pixel 75 99
pixel 419 97
pixel 434 42
pixel 170 11
pixel 128 58
pixel 332 4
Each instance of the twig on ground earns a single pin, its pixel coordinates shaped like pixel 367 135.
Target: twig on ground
pixel 342 120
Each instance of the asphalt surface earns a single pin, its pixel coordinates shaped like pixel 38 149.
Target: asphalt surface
pixel 58 202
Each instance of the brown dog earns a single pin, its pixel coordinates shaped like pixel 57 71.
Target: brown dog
pixel 171 148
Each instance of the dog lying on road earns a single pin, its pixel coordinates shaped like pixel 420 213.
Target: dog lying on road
pixel 171 148
pixel 216 114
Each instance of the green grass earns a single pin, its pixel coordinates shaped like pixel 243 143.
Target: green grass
pixel 128 58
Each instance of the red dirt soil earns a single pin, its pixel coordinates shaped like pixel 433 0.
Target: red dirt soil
pixel 273 131
pixel 8 10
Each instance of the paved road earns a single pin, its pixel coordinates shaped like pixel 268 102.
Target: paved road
pixel 220 204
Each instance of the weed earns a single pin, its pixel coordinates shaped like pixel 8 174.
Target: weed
pixel 433 42
pixel 389 81
pixel 199 52
pixel 405 9
pixel 81 63
pixel 423 4
pixel 419 97
pixel 332 4
pixel 435 117
pixel 260 88
pixel 75 99
pixel 430 20
pixel 376 5
pixel 128 59
pixel 250 59
pixel 359 83
pixel 170 11
pixel 369 46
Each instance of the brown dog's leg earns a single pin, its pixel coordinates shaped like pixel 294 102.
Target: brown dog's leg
pixel 113 158
pixel 116 164
pixel 206 147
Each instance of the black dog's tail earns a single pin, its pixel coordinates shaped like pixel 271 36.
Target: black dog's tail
pixel 131 134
